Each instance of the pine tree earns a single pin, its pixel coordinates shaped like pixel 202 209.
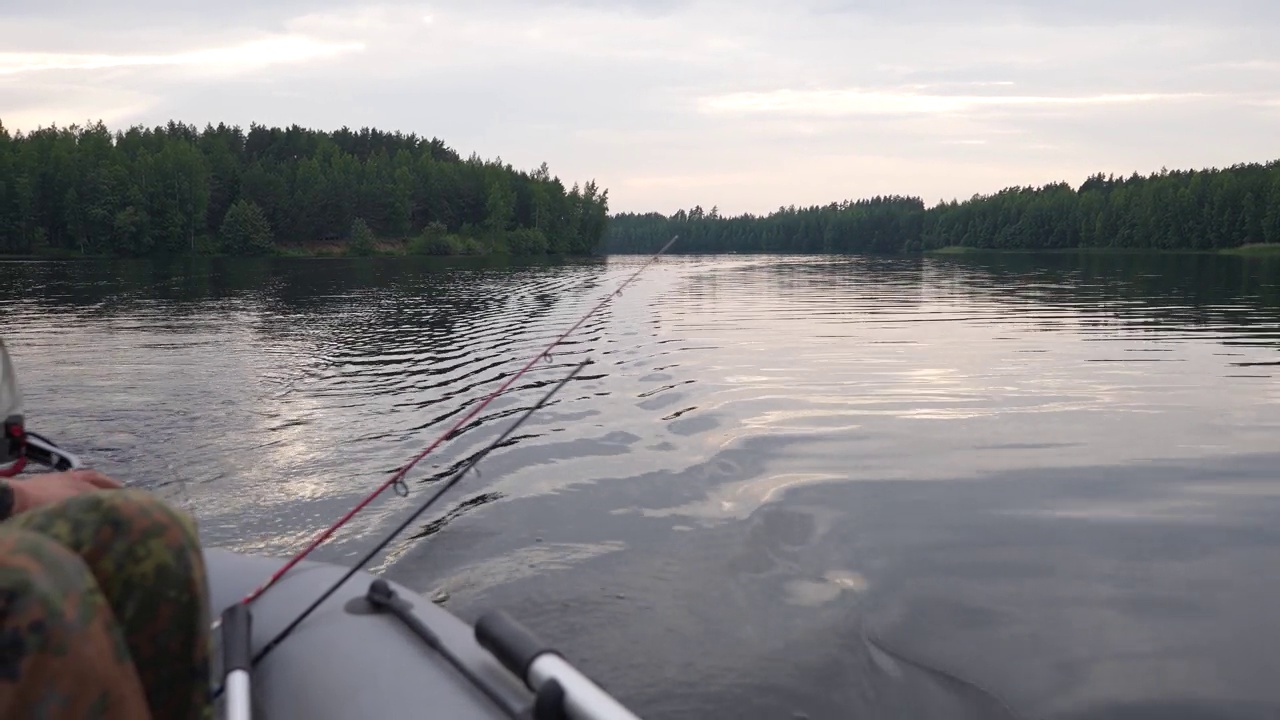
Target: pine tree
pixel 245 230
pixel 361 238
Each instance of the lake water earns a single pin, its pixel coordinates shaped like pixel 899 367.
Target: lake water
pixel 1041 486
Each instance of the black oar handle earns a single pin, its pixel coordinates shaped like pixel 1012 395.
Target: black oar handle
pixel 236 629
pixel 509 641
pixel 563 691
pixel 237 659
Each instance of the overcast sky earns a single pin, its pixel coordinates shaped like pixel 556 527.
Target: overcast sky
pixel 744 104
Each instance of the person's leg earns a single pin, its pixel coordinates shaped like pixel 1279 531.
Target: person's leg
pixel 62 655
pixel 147 560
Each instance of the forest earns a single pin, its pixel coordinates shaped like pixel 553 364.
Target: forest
pixel 1213 209
pixel 176 189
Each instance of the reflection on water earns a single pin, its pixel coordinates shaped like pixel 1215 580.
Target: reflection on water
pixel 1012 486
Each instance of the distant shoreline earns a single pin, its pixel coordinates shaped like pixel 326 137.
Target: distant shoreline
pixel 1251 250
pixel 381 248
pixel 402 250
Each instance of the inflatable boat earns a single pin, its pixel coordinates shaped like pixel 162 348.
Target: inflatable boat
pixel 375 649
pixel 371 649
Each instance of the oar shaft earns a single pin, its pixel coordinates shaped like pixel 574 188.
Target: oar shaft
pixel 238 695
pixel 583 699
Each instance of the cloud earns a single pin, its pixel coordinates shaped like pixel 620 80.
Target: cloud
pixel 27 108
pixel 888 102
pixel 1077 13
pixel 746 105
pixel 1261 66
pixel 246 56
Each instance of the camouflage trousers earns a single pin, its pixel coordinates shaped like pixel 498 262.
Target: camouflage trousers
pixel 103 611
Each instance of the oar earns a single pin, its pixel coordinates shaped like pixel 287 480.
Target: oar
pixel 562 690
pixel 237 658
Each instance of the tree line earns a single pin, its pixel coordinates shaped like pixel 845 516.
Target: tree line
pixel 176 189
pixel 1194 209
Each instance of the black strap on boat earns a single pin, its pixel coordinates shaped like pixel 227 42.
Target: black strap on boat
pixel 383 597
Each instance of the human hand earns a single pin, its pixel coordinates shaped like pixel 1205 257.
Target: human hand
pixel 48 488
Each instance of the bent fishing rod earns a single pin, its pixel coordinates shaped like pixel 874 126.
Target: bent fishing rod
pixel 386 539
pixel 560 689
pixel 397 478
pixel 553 681
pixel 235 621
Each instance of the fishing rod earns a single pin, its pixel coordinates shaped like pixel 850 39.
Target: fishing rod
pixel 235 619
pixel 386 540
pixel 561 690
pixel 236 681
pixel 397 479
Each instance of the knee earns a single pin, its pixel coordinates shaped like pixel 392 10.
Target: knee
pixel 139 510
pixel 132 515
pixel 59 641
pixel 142 527
pixel 45 591
pixel 118 527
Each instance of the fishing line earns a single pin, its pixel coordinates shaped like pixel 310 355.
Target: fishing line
pixel 470 466
pixel 397 479
pixel 410 520
pixel 386 540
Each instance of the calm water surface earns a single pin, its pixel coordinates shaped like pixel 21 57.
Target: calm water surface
pixel 1023 486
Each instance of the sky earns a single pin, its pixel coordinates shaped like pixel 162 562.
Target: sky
pixel 744 105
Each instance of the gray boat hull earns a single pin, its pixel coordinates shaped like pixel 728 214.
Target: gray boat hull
pixel 348 660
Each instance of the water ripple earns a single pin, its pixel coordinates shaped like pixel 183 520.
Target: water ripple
pixel 755 462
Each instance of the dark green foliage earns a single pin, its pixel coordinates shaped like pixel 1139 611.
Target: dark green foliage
pixel 446 245
pixel 526 241
pixel 435 239
pixel 244 231
pixel 889 224
pixel 1205 210
pixel 170 189
pixel 361 240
